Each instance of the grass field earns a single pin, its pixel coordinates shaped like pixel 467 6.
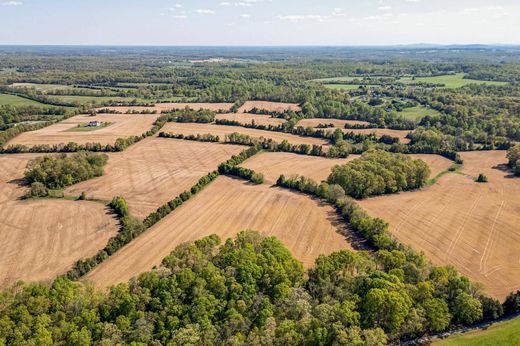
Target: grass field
pixel 500 334
pixel 247 118
pixel 459 222
pixel 86 128
pixel 168 106
pixel 227 206
pixel 342 86
pixel 13 100
pixel 417 113
pixel 449 81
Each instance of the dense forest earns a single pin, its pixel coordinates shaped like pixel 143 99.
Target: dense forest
pixel 247 291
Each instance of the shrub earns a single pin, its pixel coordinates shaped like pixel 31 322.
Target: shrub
pixel 482 178
pixel 257 178
pixel 37 190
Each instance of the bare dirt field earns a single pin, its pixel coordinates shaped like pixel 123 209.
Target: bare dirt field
pixel 401 134
pixel 336 122
pixel 269 106
pixel 226 207
pixel 222 131
pixel 121 126
pixel 164 107
pixel 474 227
pixel 272 165
pixel 247 118
pixel 154 171
pixel 44 238
pixel 437 163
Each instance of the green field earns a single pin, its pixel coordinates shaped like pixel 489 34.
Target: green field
pixel 342 86
pixel 13 100
pixel 449 81
pixel 417 113
pixel 86 128
pixel 501 334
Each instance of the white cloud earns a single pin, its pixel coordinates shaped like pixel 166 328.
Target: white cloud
pixel 204 11
pixel 225 3
pixel 177 6
pixel 180 16
pixel 301 17
pixel 11 3
pixel 245 15
pixel 384 8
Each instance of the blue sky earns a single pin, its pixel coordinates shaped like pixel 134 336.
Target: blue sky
pixel 258 22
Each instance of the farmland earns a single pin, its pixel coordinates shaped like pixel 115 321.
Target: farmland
pixel 154 171
pixel 247 118
pixel 226 207
pixel 448 81
pixel 6 99
pixel 43 238
pixel 336 122
pixel 222 131
pixel 268 106
pixel 162 107
pixel 272 165
pixel 471 226
pixel 122 125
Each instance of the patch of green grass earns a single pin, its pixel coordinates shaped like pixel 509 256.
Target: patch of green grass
pixel 417 113
pixel 342 86
pixel 449 81
pixel 86 128
pixel 6 99
pixel 500 334
pixel 455 168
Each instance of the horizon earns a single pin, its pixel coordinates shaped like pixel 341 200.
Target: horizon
pixel 263 23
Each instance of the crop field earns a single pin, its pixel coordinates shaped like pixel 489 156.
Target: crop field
pixel 6 99
pixel 449 81
pixel 222 131
pixel 457 221
pixel 269 106
pixel 154 171
pixel 122 125
pixel 342 86
pixel 247 118
pixel 437 163
pixel 272 165
pixel 44 238
pixel 226 207
pixel 336 122
pixel 401 134
pixel 164 107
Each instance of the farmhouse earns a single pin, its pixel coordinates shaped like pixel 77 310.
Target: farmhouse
pixel 95 123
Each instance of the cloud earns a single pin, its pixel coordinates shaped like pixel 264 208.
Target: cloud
pixel 384 8
pixel 177 6
pixel 11 3
pixel 300 17
pixel 225 3
pixel 237 4
pixel 245 15
pixel 180 16
pixel 204 11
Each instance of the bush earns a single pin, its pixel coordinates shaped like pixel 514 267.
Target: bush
pixel 257 178
pixel 37 190
pixel 482 178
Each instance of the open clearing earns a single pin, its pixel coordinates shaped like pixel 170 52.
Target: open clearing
pixel 165 107
pixel 44 238
pixel 222 131
pixel 345 87
pixel 269 106
pixel 449 81
pixel 122 126
pixel 500 334
pixel 324 121
pixel 154 171
pixel 418 112
pixel 225 208
pixel 247 118
pixel 474 227
pixel 272 165
pixel 437 163
pixel 6 99
pixel 401 134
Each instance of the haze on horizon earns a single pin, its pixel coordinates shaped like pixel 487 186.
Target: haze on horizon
pixel 258 22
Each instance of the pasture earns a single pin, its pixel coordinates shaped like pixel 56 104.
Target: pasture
pixel 418 112
pixel 44 238
pixel 226 207
pixel 121 126
pixel 6 99
pixel 222 131
pixel 165 107
pixel 448 81
pixel 315 122
pixel 154 171
pixel 459 222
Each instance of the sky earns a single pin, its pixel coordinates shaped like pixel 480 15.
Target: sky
pixel 259 22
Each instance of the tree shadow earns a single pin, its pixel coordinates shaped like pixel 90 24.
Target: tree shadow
pixel 503 167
